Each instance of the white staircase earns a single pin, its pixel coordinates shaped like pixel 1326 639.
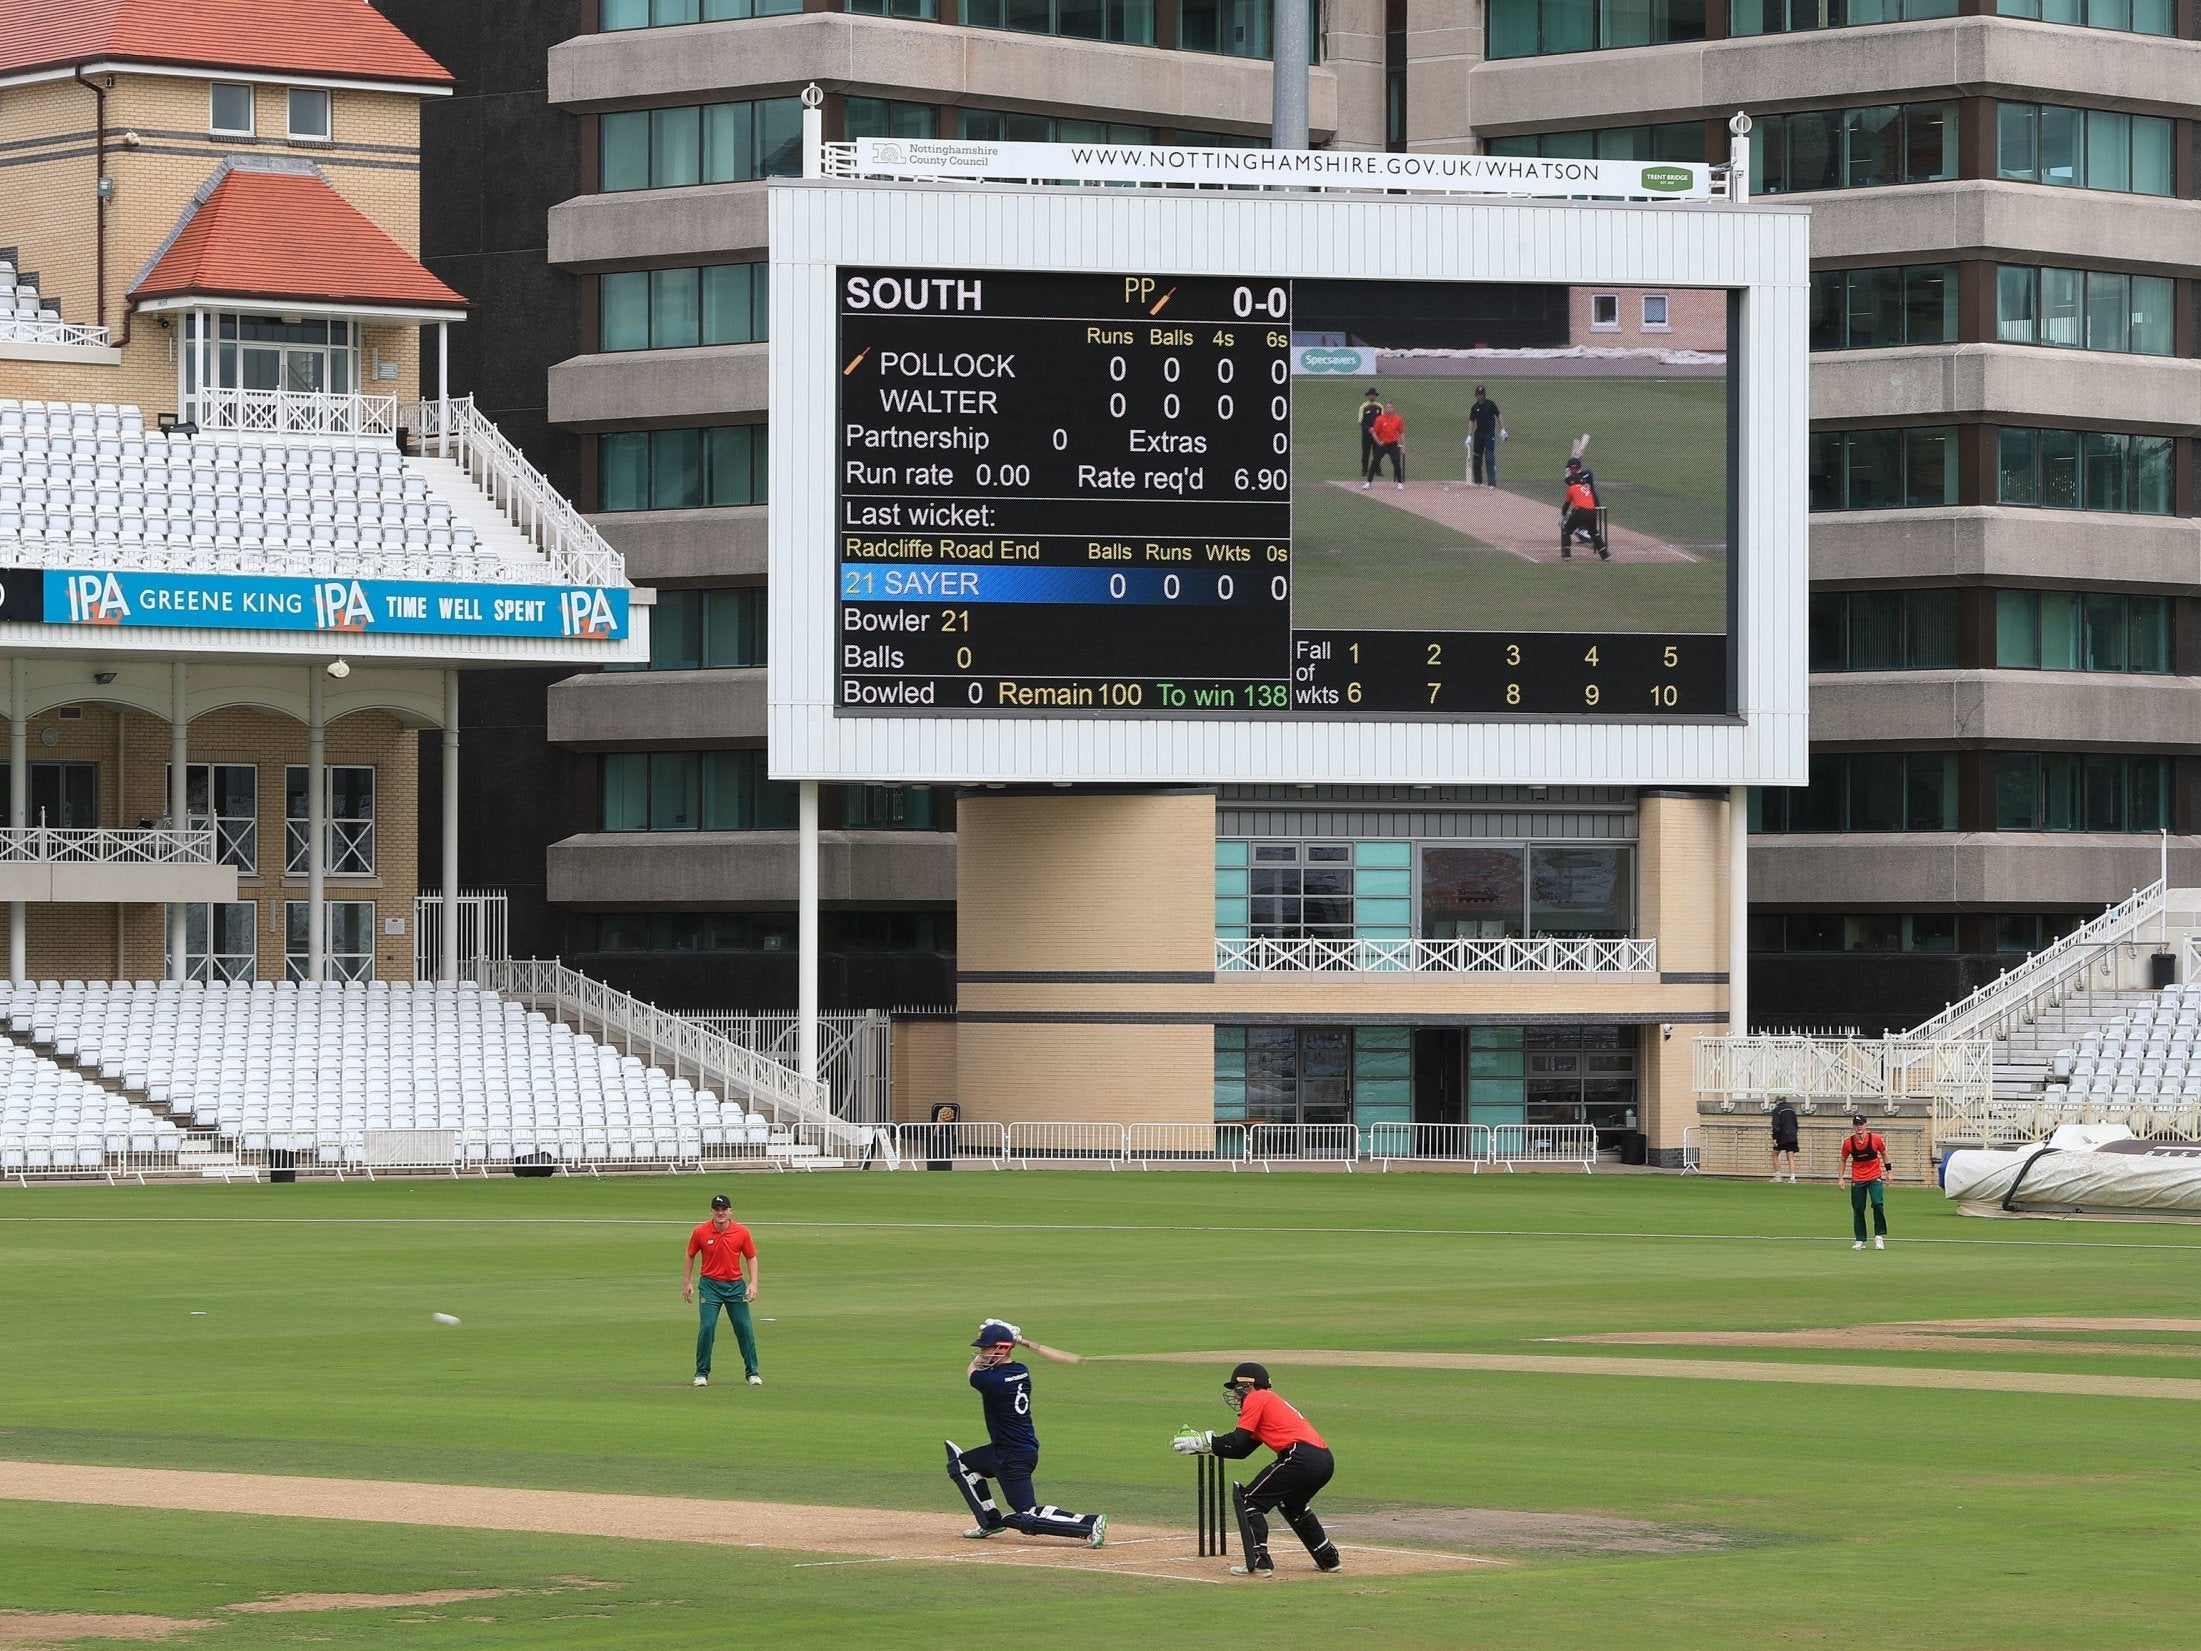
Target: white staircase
pixel 491 526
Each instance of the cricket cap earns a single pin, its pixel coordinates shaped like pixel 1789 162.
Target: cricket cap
pixel 1856 1117
pixel 722 1202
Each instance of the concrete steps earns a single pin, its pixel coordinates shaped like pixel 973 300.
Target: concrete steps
pixel 474 507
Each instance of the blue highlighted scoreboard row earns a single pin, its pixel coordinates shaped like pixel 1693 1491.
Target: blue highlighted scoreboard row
pixel 1095 586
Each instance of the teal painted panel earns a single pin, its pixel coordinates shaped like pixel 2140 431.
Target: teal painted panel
pixel 1383 854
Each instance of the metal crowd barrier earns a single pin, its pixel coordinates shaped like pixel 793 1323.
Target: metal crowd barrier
pixel 1384 1144
pixel 1512 1144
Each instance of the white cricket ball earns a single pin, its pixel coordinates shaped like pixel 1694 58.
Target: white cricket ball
pixel 443 1318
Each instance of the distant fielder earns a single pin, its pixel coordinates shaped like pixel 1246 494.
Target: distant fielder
pixel 1302 1467
pixel 1012 1453
pixel 724 1244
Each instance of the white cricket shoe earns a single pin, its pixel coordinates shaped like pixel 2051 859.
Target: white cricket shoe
pixel 756 1381
pixel 1860 1244
pixel 705 1381
pixel 980 1533
pixel 1100 1530
pixel 1879 1243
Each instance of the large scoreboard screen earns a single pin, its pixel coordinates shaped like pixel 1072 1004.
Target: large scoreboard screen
pixel 1152 494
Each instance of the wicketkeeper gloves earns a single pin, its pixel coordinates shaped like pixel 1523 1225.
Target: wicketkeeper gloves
pixel 1192 1442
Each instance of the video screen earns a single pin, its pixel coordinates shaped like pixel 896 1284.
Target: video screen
pixel 1499 457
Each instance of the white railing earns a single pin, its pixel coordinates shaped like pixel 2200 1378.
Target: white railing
pixel 1843 1071
pixel 48 845
pixel 577 553
pixel 1469 1144
pixel 2016 995
pixel 784 1096
pixel 1512 1144
pixel 1548 955
pixel 484 930
pixel 295 413
pixel 1060 1142
pixel 51 329
pixel 1303 1143
pixel 855 1053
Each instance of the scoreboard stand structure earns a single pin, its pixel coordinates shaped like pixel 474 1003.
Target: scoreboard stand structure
pixel 1068 493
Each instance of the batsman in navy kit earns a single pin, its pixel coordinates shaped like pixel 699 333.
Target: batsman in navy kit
pixel 1012 1455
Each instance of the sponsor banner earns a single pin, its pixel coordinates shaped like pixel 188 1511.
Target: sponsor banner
pixel 1333 361
pixel 1284 168
pixel 114 597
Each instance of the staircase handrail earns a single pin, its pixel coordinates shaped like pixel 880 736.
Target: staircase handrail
pixel 785 1096
pixel 1986 1012
pixel 568 540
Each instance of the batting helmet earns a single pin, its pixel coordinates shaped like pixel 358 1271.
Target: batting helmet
pixel 993 1333
pixel 1248 1374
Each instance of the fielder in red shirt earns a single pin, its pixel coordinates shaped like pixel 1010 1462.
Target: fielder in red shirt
pixel 1865 1169
pixel 724 1244
pixel 1388 431
pixel 1302 1467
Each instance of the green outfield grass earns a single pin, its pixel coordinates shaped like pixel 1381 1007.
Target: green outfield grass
pixel 1902 1517
pixel 1659 451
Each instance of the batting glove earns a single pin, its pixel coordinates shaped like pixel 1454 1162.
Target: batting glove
pixel 1193 1444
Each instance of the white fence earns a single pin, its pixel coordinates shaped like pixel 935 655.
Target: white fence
pixel 46 845
pixel 855 1053
pixel 51 329
pixel 595 1150
pixel 484 930
pixel 1550 955
pixel 576 551
pixel 1075 1144
pixel 2086 957
pixel 295 413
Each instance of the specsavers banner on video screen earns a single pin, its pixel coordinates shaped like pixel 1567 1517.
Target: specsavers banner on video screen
pixel 1329 168
pixel 108 597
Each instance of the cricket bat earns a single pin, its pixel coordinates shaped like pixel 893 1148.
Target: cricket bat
pixel 1581 445
pixel 1054 1355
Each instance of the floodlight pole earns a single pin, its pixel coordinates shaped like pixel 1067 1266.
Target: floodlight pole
pixel 1288 59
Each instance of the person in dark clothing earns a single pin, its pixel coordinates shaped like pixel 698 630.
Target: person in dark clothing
pixel 1371 407
pixel 1483 431
pixel 1011 1454
pixel 1784 1136
pixel 1578 513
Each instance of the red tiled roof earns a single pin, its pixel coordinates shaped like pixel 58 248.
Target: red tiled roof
pixel 324 39
pixel 264 234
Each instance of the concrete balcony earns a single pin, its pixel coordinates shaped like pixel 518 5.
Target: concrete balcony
pixel 42 865
pixel 1983 218
pixel 886 57
pixel 658 389
pixel 2025 383
pixel 2002 544
pixel 636 228
pixel 2030 709
pixel 673 547
pixel 2016 870
pixel 1550 955
pixel 1888 63
pixel 658 710
pixel 704 870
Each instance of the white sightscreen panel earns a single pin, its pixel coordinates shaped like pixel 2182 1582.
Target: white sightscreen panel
pixel 1761 251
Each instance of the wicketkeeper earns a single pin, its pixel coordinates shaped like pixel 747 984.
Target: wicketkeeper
pixel 1302 1467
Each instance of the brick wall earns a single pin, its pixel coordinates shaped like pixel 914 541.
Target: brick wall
pixel 82 941
pixel 50 210
pixel 1696 319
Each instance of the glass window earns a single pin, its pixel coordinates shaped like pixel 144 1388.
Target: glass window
pixel 2017 628
pixel 626 791
pixel 887 807
pixel 1883 469
pixel 623 470
pixel 623 14
pixel 878 117
pixel 676 153
pixel 1654 310
pixel 624 144
pixel 229 109
pixel 712 629
pixel 733 303
pixel 896 8
pixel 348 819
pixel 347 939
pixel 309 113
pixel 1528 28
pixel 2017 304
pixel 1472 893
pixel 2090 148
pixel 1580 890
pixel 1867 630
pixel 222 941
pixel 1859 148
pixel 676 469
pixel 2152 331
pixel 2084 470
pixel 676 310
pixel 625 299
pixel 682 469
pixel 224 798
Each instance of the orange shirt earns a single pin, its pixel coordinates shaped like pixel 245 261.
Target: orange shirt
pixel 1388 428
pixel 1865 1156
pixel 722 1251
pixel 1580 496
pixel 1276 1424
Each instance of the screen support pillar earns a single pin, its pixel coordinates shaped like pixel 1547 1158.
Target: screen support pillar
pixel 19 808
pixel 1738 911
pixel 447 968
pixel 179 802
pixel 317 822
pixel 1288 60
pixel 806 930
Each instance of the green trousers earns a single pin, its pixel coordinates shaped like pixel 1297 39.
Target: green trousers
pixel 711 1295
pixel 1859 1191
